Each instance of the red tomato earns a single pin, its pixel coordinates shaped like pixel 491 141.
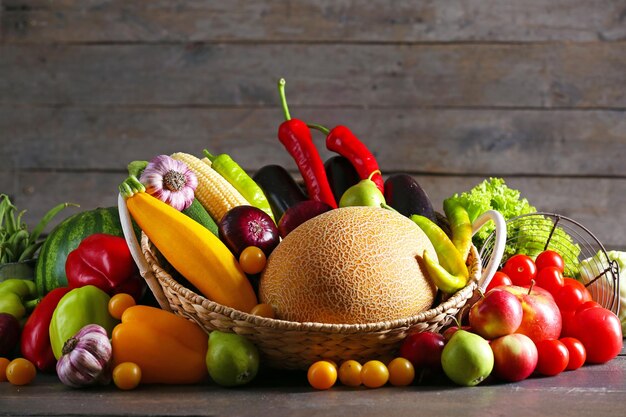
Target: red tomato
pixel 550 258
pixel 577 353
pixel 550 278
pixel 572 295
pixel 521 269
pixel 600 331
pixel 553 357
pixel 499 278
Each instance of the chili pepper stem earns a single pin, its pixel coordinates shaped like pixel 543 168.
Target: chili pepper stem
pixel 283 98
pixel 209 155
pixel 321 128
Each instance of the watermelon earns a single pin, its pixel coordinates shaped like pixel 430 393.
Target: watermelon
pixel 65 237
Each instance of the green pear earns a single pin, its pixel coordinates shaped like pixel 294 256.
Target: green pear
pixel 364 193
pixel 467 358
pixel 231 359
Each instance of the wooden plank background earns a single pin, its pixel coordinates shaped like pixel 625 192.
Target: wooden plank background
pixel 450 91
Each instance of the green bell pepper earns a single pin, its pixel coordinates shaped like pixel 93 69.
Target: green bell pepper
pixel 18 297
pixel 78 308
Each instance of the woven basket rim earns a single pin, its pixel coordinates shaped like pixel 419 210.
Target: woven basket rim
pixel 236 315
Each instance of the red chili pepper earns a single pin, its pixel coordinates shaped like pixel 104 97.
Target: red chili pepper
pixel 35 340
pixel 295 136
pixel 104 261
pixel 341 140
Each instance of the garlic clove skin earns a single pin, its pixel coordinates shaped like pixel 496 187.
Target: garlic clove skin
pixel 86 358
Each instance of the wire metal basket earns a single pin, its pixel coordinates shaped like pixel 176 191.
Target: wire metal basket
pixel 585 257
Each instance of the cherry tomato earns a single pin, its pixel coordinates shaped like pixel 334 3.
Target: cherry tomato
pixel 119 303
pixel 401 372
pixel 252 260
pixel 423 349
pixel 521 269
pixel 374 374
pixel 4 362
pixel 499 278
pixel 550 258
pixel 600 331
pixel 350 373
pixel 322 375
pixel 553 357
pixel 263 310
pixel 577 353
pixel 550 278
pixel 20 371
pixel 572 295
pixel 127 375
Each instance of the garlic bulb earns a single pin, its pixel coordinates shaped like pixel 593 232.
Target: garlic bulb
pixel 170 181
pixel 86 358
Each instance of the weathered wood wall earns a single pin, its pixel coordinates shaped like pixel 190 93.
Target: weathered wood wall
pixel 449 91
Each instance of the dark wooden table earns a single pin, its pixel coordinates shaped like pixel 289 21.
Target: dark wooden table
pixel 598 390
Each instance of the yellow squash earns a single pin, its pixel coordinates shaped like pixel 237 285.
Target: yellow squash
pixel 193 251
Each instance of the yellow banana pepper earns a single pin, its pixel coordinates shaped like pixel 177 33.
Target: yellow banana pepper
pixel 169 349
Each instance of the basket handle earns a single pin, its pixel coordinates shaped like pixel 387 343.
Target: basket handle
pixel 137 254
pixel 498 246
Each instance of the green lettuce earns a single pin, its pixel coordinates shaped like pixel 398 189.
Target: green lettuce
pixel 527 235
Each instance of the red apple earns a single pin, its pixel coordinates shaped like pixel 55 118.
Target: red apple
pixel 515 357
pixel 423 349
pixel 542 317
pixel 447 334
pixel 496 314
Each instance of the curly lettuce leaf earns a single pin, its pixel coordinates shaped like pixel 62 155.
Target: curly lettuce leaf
pixel 527 235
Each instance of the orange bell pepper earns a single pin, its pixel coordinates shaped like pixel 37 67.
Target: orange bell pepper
pixel 169 349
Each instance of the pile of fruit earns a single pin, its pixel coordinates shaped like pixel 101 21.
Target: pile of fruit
pixel 350 247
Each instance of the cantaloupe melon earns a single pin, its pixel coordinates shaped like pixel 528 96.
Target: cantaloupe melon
pixel 350 265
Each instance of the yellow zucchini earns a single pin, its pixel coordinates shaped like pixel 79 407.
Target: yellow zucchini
pixel 194 251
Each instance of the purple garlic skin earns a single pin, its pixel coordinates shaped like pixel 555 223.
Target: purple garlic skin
pixel 86 358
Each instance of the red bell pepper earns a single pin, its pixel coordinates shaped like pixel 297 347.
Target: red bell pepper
pixel 104 261
pixel 35 340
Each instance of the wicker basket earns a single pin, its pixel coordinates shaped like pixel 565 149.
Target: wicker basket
pixel 294 345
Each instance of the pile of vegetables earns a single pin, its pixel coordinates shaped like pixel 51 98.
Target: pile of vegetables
pixel 80 316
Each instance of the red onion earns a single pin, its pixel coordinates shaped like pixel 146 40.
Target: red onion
pixel 86 358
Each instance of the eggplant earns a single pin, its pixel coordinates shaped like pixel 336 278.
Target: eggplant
pixel 341 175
pixel 281 190
pixel 403 193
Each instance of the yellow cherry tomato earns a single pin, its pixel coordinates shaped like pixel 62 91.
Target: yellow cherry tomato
pixel 119 303
pixel 263 310
pixel 401 372
pixel 374 374
pixel 252 260
pixel 20 371
pixel 4 362
pixel 127 375
pixel 350 373
pixel 322 375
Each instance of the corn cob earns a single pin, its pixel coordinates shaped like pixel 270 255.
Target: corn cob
pixel 215 194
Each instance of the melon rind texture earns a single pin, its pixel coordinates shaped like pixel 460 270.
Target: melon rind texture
pixel 351 265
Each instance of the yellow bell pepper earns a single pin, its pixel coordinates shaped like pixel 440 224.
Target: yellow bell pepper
pixel 168 348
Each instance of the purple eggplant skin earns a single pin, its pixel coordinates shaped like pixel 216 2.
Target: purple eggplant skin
pixel 279 187
pixel 403 193
pixel 9 334
pixel 341 175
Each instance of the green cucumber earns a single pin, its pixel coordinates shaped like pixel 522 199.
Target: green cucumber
pixel 199 214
